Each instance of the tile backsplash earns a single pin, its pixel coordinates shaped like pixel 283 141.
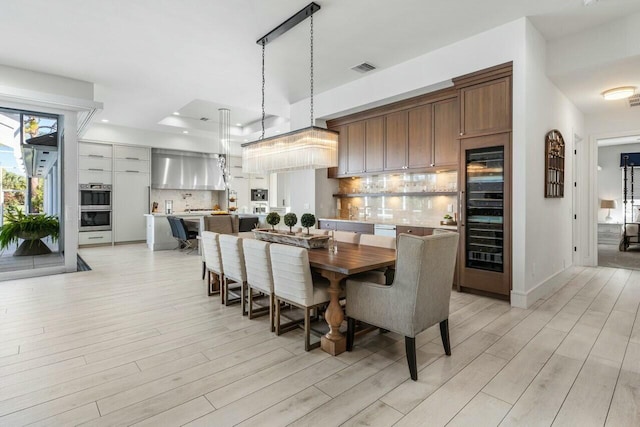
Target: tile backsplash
pixel 186 199
pixel 399 198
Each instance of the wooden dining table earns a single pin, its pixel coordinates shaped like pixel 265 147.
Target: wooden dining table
pixel 335 266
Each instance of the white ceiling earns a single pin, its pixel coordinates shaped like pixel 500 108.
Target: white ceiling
pixel 149 58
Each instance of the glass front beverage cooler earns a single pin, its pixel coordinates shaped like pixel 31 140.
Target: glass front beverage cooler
pixel 485 212
pixel 485 208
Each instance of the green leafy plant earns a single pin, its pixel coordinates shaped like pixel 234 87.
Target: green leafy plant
pixel 28 227
pixel 273 219
pixel 308 220
pixel 447 216
pixel 290 220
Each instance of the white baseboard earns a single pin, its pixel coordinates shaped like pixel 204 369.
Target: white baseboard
pixel 542 290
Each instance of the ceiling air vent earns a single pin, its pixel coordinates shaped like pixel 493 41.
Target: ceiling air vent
pixel 634 101
pixel 204 119
pixel 365 67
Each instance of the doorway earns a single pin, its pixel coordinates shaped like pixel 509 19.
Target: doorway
pixel 617 213
pixel 29 191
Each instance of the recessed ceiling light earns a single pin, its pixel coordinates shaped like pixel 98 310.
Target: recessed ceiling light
pixel 105 120
pixel 176 113
pixel 277 131
pixel 619 93
pixel 238 124
pixel 246 140
pixel 185 131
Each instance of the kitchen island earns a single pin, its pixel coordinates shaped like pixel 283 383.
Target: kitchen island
pixel 159 237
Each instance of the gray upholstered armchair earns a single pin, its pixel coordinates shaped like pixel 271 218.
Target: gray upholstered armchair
pixel 418 297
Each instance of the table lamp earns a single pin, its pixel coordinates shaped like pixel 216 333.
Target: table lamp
pixel 608 204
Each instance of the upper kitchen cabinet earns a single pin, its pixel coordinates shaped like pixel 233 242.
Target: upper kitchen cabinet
pixel 95 163
pixel 132 153
pixel 446 146
pixel 374 145
pixel 395 148
pixel 420 141
pixel 355 148
pixel 90 149
pixel 343 153
pixel 485 101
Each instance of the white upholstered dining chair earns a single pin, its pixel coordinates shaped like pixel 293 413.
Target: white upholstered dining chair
pixel 382 276
pixel 418 297
pixel 257 260
pixel 235 273
pixel 212 261
pixel 294 284
pixel 346 237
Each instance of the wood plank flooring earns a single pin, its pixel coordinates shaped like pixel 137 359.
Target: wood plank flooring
pixel 136 341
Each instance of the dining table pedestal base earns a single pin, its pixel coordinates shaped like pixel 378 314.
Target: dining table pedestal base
pixel 334 342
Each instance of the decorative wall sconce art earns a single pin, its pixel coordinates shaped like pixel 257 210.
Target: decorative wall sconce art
pixel 554 164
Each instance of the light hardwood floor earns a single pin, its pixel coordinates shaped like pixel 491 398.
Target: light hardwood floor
pixel 137 341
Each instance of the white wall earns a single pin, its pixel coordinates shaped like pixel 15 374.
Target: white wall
pixel 548 237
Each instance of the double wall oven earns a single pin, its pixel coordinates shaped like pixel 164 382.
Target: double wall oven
pixel 95 207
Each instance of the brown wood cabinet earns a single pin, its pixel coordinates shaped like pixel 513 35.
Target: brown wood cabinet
pixel 446 146
pixel 395 150
pixel 355 147
pixel 354 226
pixel 420 141
pixel 343 152
pixel 485 108
pixel 374 145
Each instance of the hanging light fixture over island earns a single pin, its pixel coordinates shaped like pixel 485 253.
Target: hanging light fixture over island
pixel 309 148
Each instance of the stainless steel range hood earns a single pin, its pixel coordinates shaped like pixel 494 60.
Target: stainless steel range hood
pixel 185 170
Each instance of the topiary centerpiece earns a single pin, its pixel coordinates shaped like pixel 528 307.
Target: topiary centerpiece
pixel 273 219
pixel 308 220
pixel 290 220
pixel 30 228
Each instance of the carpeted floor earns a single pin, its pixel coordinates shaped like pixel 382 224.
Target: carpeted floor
pixel 610 256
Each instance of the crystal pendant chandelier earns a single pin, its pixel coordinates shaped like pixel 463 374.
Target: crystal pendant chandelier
pixel 309 148
pixel 224 134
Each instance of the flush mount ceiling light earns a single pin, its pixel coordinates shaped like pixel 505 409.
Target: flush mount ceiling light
pixel 619 93
pixel 309 148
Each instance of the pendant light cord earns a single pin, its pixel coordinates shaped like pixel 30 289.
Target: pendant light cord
pixel 263 114
pixel 311 49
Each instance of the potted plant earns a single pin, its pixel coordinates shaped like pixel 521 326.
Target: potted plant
pixel 30 228
pixel 290 220
pixel 308 220
pixel 273 219
pixel 448 220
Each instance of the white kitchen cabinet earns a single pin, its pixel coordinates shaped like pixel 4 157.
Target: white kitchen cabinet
pixel 95 163
pixel 94 177
pixel 259 181
pixel 240 184
pixel 284 192
pixel 126 165
pixel 130 204
pixel 131 153
pixel 90 149
pixel 94 237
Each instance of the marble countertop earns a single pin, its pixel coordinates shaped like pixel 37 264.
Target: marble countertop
pixel 429 224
